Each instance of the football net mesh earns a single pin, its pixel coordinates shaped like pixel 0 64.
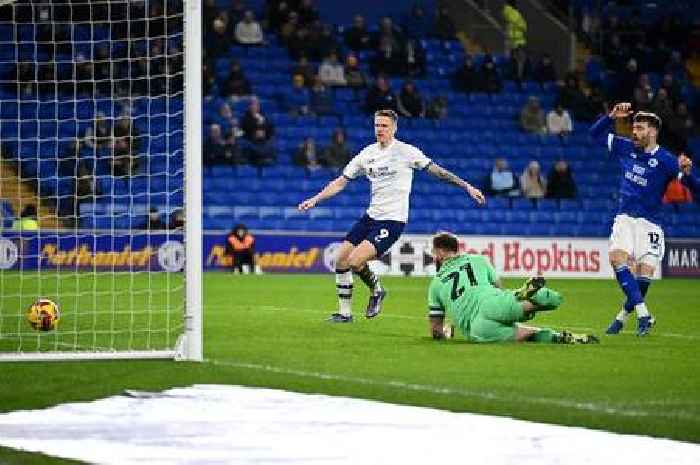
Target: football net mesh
pixel 91 134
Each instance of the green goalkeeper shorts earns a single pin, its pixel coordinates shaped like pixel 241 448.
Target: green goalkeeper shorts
pixel 495 318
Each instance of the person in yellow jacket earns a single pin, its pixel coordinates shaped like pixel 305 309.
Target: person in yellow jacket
pixel 240 245
pixel 516 27
pixel 27 220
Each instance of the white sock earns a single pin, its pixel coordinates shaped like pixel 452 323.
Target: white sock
pixel 641 309
pixel 343 287
pixel 622 316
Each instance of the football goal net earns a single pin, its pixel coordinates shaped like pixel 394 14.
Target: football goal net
pixel 100 179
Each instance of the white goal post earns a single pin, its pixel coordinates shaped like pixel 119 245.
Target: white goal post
pixel 100 131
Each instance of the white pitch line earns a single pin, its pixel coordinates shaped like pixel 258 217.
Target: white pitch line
pixel 424 318
pixel 443 390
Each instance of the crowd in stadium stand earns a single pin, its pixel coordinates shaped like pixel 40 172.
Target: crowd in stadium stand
pixel 336 76
pixel 393 49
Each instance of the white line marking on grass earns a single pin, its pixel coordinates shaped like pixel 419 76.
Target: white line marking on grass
pixel 625 411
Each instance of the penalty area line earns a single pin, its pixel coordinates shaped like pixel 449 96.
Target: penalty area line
pixel 465 393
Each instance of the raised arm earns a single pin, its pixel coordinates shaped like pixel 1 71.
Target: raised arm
pixel 601 128
pixel 331 189
pixel 449 177
pixel 687 178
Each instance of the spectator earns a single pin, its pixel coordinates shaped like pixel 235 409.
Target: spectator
pixel 516 27
pixel 297 99
pixel 673 89
pixel 124 163
pixel 560 182
pixel 308 14
pixel 413 59
pixel 354 76
pixel 85 185
pixel 676 67
pixel 573 98
pixel 221 150
pixel 27 220
pixel 240 246
pixel 248 30
pixel 693 68
pixel 409 101
pixel 676 193
pixel 356 36
pixel 154 221
pixel 662 105
pixel 437 107
pixel 321 102
pixel 466 77
pixel 258 132
pixel 226 118
pixel 488 76
pixel 502 181
pixel 520 66
pixel 331 72
pixel 300 44
pixel 325 43
pixel 277 14
pixel 388 59
pixel 218 42
pixel 289 29
pixel 544 70
pixel 307 156
pixel 237 10
pixel 177 219
pixel 681 127
pixel 629 75
pixel 643 93
pixel 99 135
pixel 532 182
pixel 337 154
pixel 559 122
pixel 380 96
pixel 444 27
pixel 237 85
pixel 532 117
pixel 416 24
pixel 305 69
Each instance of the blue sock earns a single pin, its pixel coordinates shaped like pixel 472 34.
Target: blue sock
pixel 643 282
pixel 628 285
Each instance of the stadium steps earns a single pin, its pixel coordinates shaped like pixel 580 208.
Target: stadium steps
pixel 20 195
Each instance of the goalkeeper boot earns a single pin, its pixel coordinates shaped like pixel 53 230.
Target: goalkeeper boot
pixel 340 318
pixel 615 327
pixel 528 289
pixel 374 306
pixel 644 325
pixel 546 299
pixel 573 338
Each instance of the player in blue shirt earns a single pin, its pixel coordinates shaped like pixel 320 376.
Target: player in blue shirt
pixel 637 238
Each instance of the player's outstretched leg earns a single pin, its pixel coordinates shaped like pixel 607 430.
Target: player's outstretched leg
pixel 550 336
pixel 377 292
pixel 343 286
pixel 617 324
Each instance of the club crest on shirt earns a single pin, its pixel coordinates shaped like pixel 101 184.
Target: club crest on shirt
pixel 653 162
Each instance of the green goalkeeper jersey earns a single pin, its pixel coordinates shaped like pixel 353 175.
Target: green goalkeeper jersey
pixel 459 286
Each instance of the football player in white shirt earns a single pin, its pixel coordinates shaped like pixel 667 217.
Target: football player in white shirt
pixel 389 166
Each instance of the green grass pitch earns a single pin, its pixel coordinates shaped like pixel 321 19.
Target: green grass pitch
pixel 270 331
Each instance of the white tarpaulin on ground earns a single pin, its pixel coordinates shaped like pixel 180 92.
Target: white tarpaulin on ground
pixel 211 424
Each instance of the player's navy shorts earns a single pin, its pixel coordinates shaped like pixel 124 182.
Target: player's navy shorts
pixel 381 233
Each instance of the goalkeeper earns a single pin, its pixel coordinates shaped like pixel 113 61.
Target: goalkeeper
pixel 467 289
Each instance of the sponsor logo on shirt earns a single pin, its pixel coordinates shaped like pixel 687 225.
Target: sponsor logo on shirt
pixel 653 162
